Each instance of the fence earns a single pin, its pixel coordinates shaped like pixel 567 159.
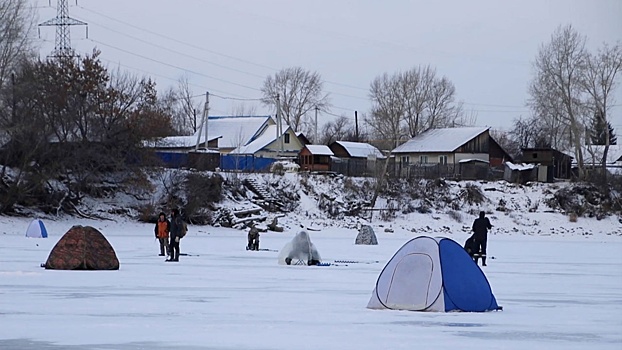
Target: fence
pixel 355 166
pixel 425 171
pixel 245 163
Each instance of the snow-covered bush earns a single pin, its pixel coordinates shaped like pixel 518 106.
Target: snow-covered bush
pixel 456 215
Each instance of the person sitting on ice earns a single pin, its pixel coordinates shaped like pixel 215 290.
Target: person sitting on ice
pixel 253 238
pixel 300 251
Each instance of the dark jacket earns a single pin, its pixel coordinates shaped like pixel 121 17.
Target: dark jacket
pixel 175 227
pixel 253 233
pixel 481 226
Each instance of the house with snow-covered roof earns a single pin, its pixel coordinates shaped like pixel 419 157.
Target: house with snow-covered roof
pixel 253 143
pixel 182 151
pixel 315 158
pixel 465 151
pixel 242 142
pixel 362 150
pixel 182 144
pixel 354 158
pixel 552 164
pixel 268 143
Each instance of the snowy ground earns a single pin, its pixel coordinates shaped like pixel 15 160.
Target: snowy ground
pixel 559 291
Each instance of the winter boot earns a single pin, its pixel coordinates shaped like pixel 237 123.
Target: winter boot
pixel 484 260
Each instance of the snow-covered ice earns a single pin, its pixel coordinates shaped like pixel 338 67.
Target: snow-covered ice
pixel 558 292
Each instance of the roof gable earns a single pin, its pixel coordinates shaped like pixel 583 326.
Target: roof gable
pixel 236 131
pixel 267 136
pixel 440 140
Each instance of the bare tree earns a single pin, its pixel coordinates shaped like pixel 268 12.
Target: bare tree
pixel 188 109
pixel 16 26
pixel 386 116
pixel 507 142
pixel 299 91
pixel 556 90
pixel 243 110
pixel 340 129
pixel 599 81
pixel 409 103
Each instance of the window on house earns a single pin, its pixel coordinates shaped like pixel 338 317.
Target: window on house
pixel 423 159
pixel 442 160
pixel 535 155
pixel 405 159
pixel 286 138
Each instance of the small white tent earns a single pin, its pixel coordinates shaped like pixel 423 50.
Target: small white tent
pixel 299 251
pixel 36 229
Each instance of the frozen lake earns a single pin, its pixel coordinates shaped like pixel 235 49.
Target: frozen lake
pixel 557 293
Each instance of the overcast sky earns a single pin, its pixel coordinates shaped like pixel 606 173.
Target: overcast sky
pixel 228 47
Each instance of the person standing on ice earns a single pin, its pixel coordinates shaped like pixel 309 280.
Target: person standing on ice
pixel 162 229
pixel 481 226
pixel 253 238
pixel 175 233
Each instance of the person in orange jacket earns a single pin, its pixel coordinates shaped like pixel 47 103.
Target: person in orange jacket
pixel 162 229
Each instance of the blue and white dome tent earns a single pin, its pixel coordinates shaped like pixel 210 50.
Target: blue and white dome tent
pixel 36 229
pixel 432 274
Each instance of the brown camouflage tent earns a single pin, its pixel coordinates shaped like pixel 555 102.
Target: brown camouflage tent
pixel 82 248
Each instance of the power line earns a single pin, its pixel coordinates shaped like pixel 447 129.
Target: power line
pixel 248 62
pixel 167 77
pixel 235 98
pixel 216 64
pixel 173 66
pixel 491 105
pixel 206 50
pixel 177 52
pixel 178 41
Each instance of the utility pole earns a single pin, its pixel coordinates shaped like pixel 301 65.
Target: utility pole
pixel 203 125
pixel 62 22
pixel 206 117
pixel 356 125
pixel 315 139
pixel 279 125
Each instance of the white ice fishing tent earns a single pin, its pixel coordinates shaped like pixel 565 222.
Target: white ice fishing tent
pixel 299 251
pixel 432 274
pixel 36 229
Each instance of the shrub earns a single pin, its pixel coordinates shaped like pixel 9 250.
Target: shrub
pixel 472 194
pixel 389 212
pixel 457 216
pixel 147 212
pixel 201 190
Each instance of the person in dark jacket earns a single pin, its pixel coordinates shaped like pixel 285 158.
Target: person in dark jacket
pixel 470 247
pixel 481 226
pixel 162 228
pixel 253 238
pixel 175 233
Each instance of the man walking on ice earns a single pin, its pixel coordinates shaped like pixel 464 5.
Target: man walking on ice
pixel 481 226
